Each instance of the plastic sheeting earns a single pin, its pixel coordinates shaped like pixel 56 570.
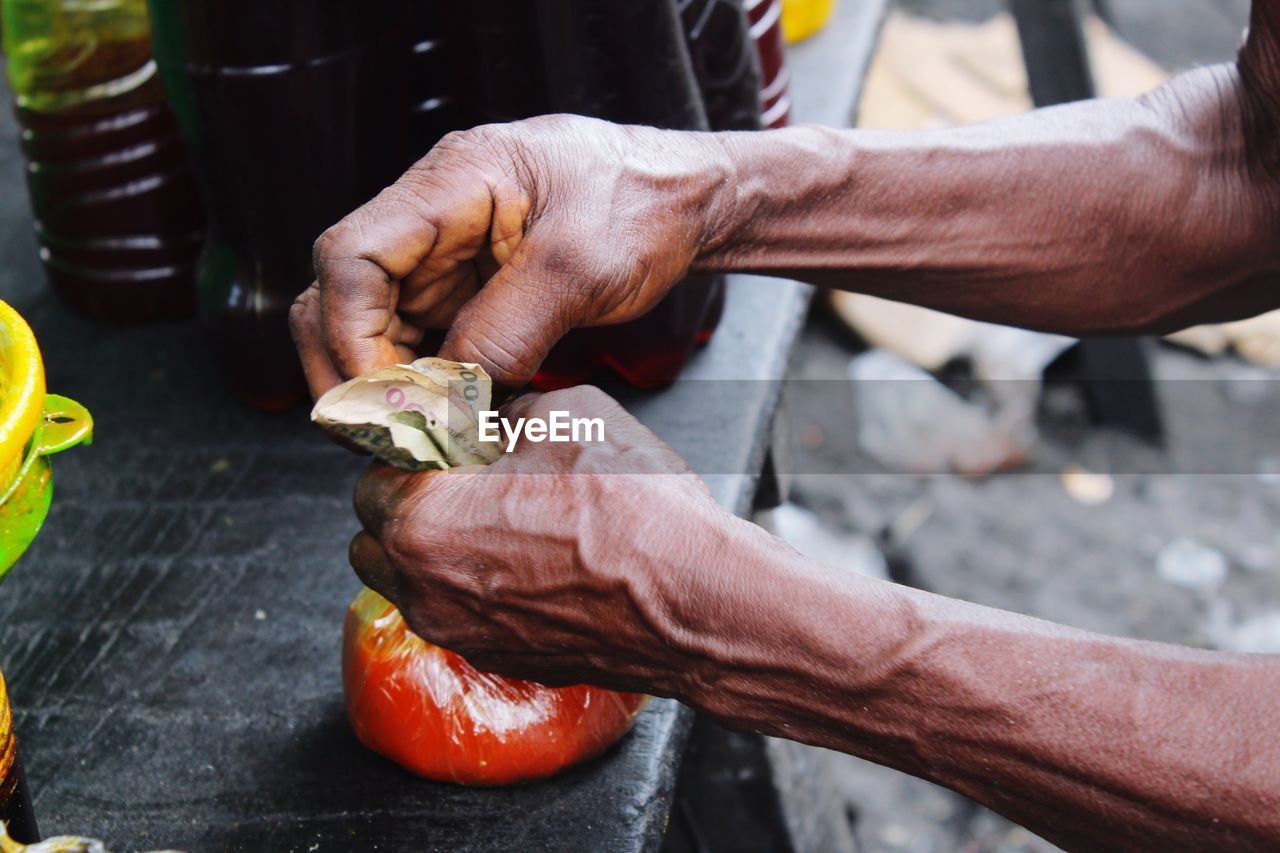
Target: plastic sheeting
pixel 431 712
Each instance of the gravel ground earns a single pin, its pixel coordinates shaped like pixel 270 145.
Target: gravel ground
pixel 1178 33
pixel 1018 542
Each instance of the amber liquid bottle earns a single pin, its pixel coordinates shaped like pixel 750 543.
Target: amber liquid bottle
pixel 766 29
pixel 431 113
pixel 726 65
pixel 625 62
pixel 303 111
pixel 725 62
pixel 116 210
pixel 15 801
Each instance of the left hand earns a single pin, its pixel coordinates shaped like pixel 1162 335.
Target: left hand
pixel 560 563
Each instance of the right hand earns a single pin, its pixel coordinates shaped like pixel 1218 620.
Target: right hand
pixel 510 236
pixel 563 563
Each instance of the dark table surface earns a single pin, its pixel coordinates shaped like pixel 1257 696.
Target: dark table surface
pixel 172 639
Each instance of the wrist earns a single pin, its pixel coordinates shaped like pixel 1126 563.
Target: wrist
pixel 726 203
pixel 697 584
pixel 710 604
pixel 771 207
pixel 752 619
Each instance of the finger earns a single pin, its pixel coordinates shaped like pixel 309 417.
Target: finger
pixel 511 209
pixel 358 294
pixel 361 261
pixel 378 493
pixel 513 321
pixel 431 298
pixel 304 325
pixel 374 568
pixel 404 335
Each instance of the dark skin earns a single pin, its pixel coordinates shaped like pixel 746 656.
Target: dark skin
pixel 611 563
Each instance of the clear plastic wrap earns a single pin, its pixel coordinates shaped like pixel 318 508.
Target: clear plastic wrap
pixel 431 712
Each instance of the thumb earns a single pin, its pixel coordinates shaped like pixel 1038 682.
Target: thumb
pixel 510 325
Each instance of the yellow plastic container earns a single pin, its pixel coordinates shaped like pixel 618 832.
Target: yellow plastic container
pixel 803 18
pixel 33 425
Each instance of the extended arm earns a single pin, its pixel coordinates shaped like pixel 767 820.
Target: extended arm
pixel 1097 217
pixel 1102 216
pixel 1090 741
pixel 608 563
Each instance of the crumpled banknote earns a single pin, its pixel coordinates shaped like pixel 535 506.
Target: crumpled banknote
pixel 420 416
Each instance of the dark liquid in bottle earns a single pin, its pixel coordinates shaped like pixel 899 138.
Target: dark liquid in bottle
pixel 15 803
pixel 766 28
pixel 115 203
pixel 304 110
pixel 431 113
pixel 625 62
pixel 727 67
pixel 725 62
pixel 648 352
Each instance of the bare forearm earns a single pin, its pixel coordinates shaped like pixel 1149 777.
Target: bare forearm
pixel 1088 740
pixel 1098 217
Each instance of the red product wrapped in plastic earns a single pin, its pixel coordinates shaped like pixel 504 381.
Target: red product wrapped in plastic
pixel 431 712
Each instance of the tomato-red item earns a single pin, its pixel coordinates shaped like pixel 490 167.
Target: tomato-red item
pixel 432 713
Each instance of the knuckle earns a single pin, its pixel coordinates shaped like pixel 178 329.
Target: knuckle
pixel 333 242
pixel 563 258
pixel 356 550
pixel 380 496
pixel 413 515
pixel 324 244
pixel 398 540
pixel 588 398
pixel 302 313
pixel 366 498
pixel 458 138
pixel 469 147
pixel 413 559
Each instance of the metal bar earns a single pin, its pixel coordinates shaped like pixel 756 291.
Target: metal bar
pixel 1057 61
pixel 1053 50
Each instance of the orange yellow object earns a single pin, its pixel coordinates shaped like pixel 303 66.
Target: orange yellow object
pixel 8 744
pixel 33 425
pixel 17 823
pixel 803 18
pixel 21 390
pixel 431 712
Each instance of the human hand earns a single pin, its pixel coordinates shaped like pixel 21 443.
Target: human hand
pixel 510 235
pixel 560 563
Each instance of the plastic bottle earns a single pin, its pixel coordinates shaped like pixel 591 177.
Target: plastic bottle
pixel 117 214
pixel 725 62
pixel 625 62
pixel 33 426
pixel 431 113
pixel 766 29
pixel 16 813
pixel 727 67
pixel 303 112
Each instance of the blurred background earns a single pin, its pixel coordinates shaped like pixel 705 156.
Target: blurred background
pixel 1080 529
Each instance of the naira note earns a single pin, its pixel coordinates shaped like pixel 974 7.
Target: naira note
pixel 419 416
